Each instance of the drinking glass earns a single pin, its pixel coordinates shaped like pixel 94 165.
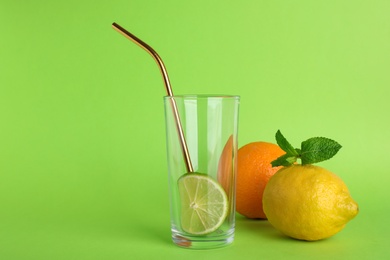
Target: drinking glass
pixel 209 124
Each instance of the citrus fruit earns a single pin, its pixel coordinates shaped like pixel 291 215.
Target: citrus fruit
pixel 204 204
pixel 253 172
pixel 225 165
pixel 308 202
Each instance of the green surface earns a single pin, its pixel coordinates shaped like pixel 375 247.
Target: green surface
pixel 82 139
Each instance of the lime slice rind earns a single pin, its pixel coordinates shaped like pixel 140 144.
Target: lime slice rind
pixel 204 204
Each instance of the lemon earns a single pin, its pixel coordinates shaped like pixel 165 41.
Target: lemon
pixel 204 204
pixel 308 202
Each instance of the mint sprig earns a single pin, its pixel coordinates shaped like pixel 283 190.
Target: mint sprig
pixel 313 150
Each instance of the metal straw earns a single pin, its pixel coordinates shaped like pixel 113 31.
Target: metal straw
pixel 168 88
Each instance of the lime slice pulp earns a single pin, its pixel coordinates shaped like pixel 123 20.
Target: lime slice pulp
pixel 204 204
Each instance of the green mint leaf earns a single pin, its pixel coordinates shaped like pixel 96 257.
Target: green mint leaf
pixel 284 160
pixel 318 149
pixel 285 145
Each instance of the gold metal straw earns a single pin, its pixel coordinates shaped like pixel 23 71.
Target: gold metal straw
pixel 168 88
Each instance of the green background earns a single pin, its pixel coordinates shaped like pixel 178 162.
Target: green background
pixel 82 139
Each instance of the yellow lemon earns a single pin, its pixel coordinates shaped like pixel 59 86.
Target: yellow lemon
pixel 308 202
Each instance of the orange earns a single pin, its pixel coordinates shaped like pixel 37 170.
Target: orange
pixel 254 169
pixel 225 166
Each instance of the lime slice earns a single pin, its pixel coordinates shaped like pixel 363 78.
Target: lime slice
pixel 204 204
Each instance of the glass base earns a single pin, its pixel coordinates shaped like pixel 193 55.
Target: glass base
pixel 203 242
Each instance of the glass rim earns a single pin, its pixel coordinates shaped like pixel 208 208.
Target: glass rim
pixel 203 96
